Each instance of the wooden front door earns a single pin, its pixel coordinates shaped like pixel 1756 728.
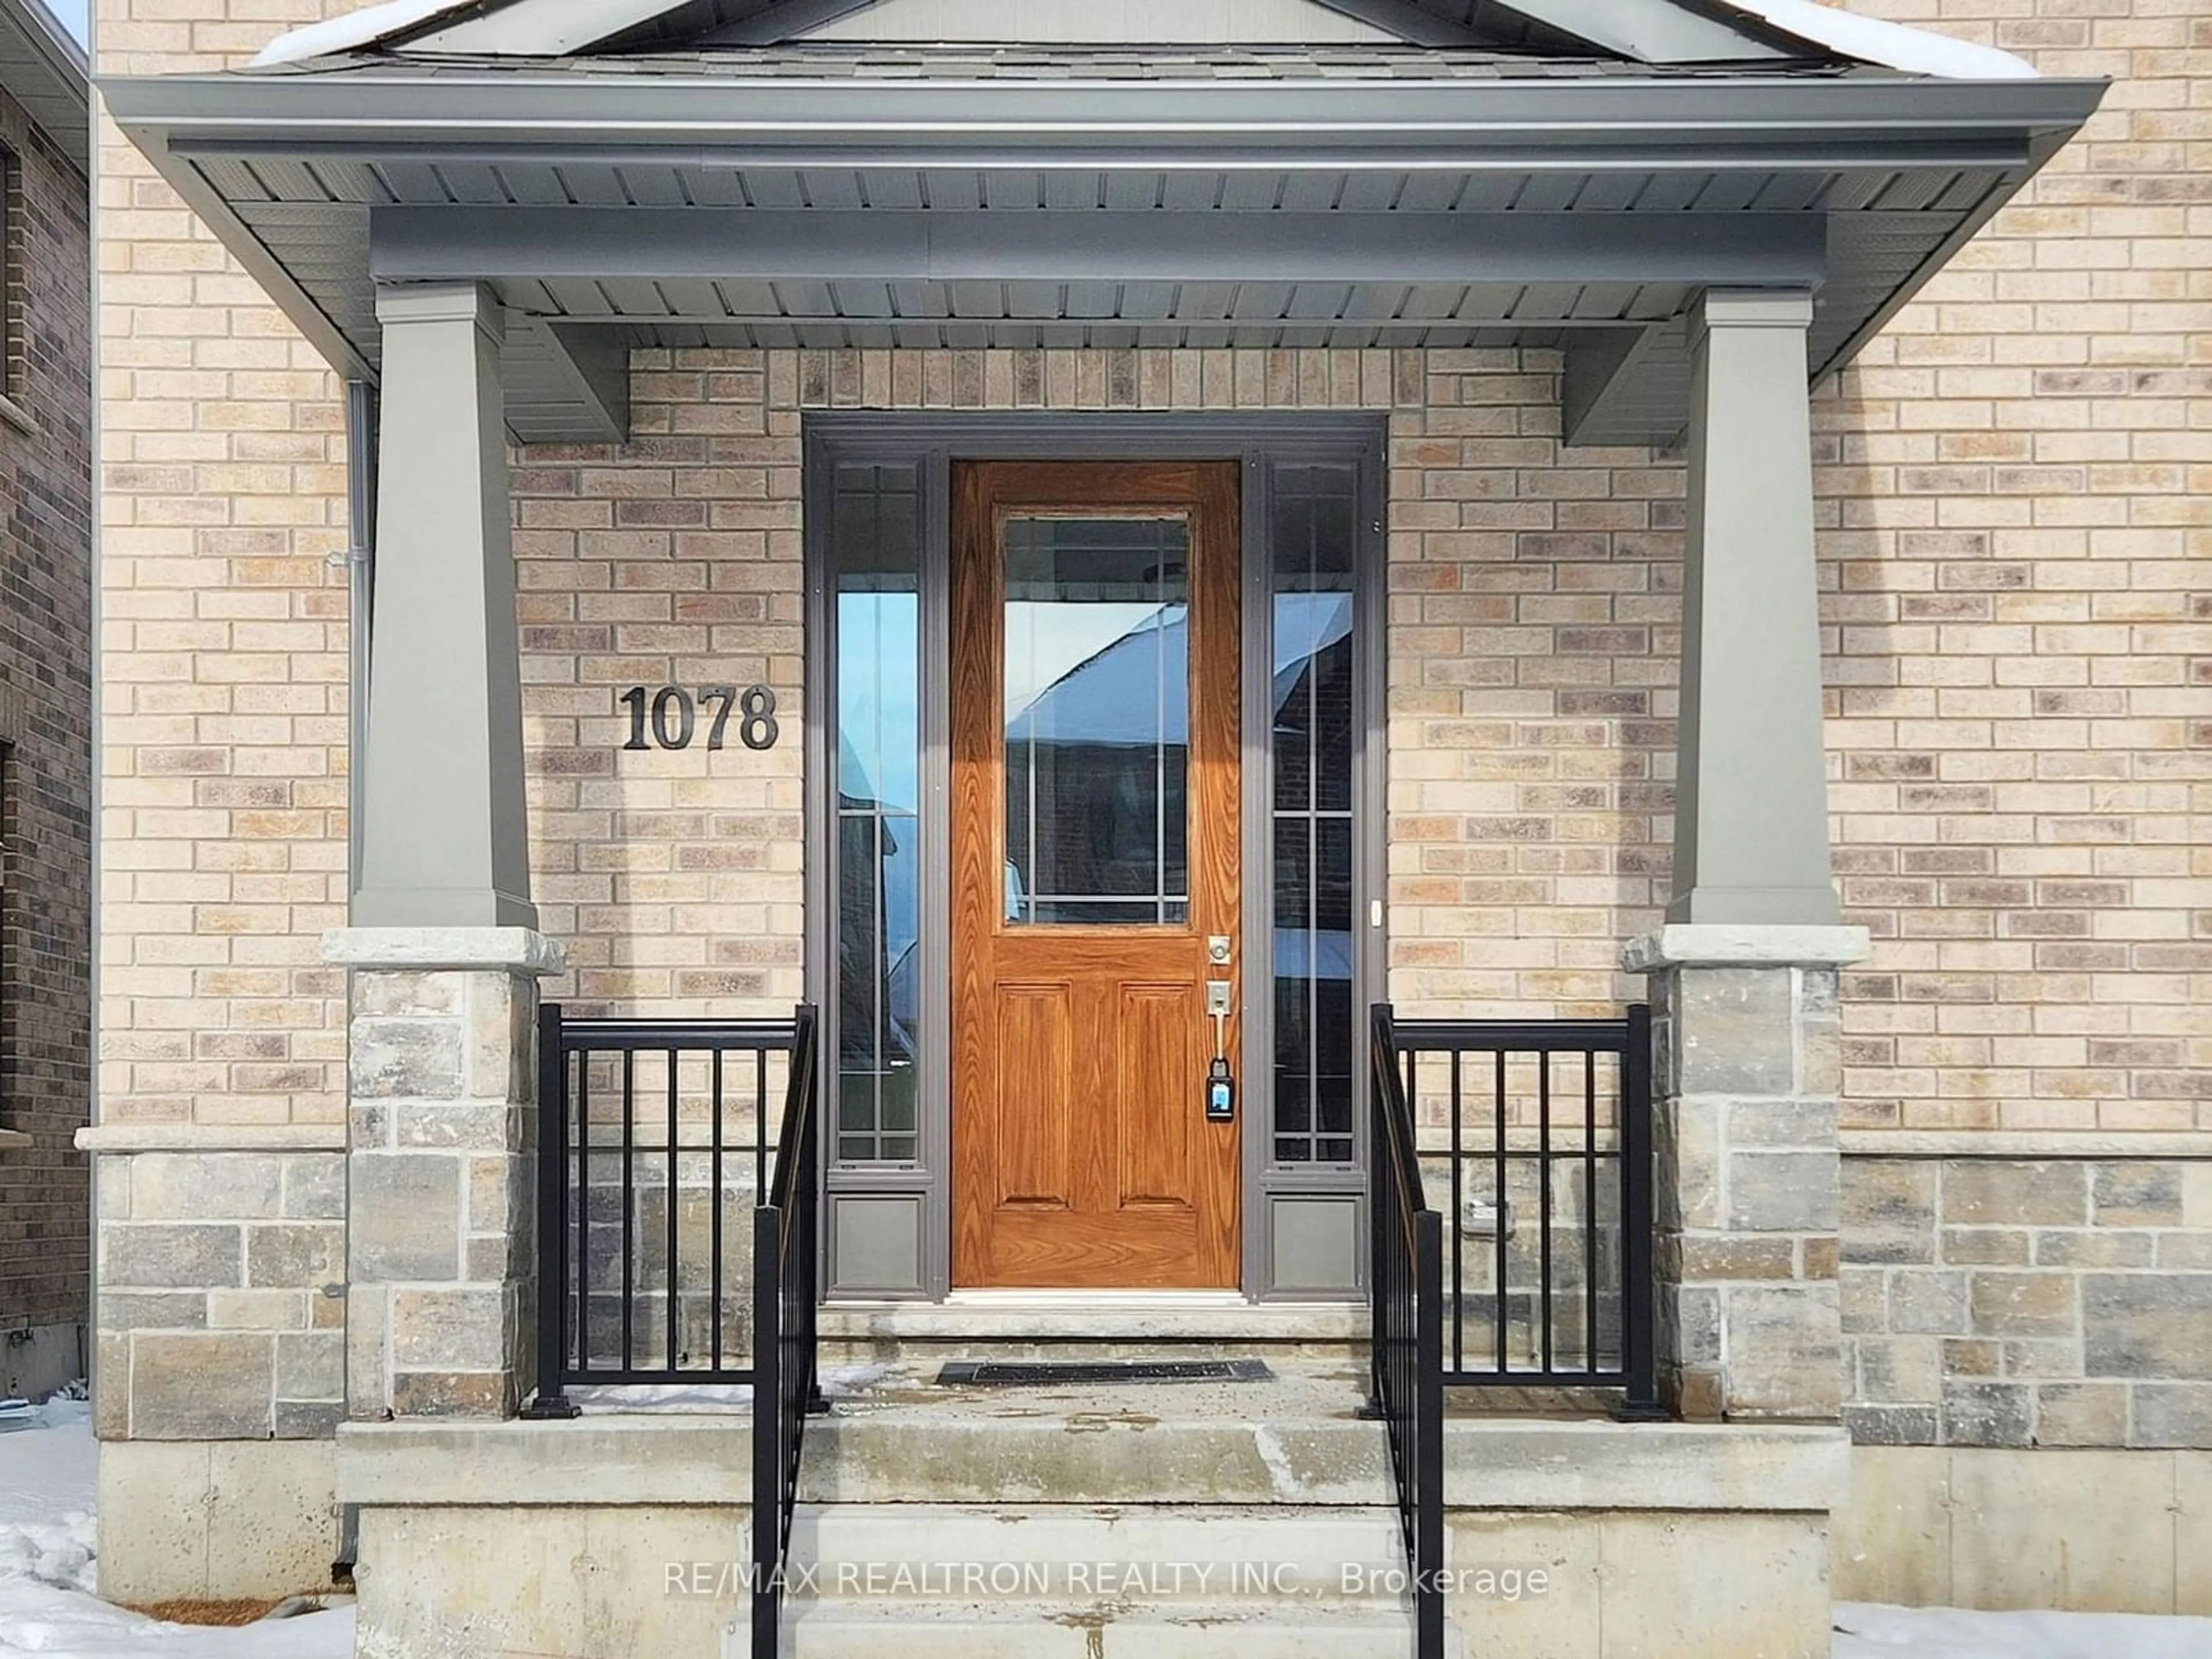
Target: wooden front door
pixel 1095 837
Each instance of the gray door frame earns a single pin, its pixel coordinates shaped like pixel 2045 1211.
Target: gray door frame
pixel 887 1228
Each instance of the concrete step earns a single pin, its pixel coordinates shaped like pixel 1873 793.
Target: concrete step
pixel 991 1630
pixel 1134 1554
pixel 1296 1438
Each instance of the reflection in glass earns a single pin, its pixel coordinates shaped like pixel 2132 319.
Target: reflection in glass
pixel 1311 792
pixel 875 547
pixel 1097 707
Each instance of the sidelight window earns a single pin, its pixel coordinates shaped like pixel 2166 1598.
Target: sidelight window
pixel 1316 943
pixel 875 547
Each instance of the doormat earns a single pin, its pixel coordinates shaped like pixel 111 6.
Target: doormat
pixel 1020 1373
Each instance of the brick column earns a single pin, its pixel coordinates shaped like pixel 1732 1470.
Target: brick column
pixel 1744 1089
pixel 441 1142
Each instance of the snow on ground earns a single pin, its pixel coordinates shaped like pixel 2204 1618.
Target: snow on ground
pixel 710 1399
pixel 1867 1632
pixel 48 1570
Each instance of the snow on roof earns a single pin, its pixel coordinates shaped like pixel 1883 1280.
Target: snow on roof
pixel 1850 34
pixel 353 30
pixel 1894 46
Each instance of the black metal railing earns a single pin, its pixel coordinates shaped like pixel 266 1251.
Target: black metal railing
pixel 658 1137
pixel 1405 1347
pixel 786 1364
pixel 1534 1139
pixel 655 1136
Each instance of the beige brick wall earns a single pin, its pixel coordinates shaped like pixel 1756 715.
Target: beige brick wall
pixel 2019 666
pixel 675 879
pixel 1535 611
pixel 2015 490
pixel 223 718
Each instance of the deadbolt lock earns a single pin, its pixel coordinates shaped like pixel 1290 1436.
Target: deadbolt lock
pixel 1217 950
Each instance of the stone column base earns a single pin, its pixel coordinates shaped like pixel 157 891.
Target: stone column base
pixel 1745 1082
pixel 441 1141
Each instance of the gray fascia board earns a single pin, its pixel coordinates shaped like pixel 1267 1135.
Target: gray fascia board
pixel 412 244
pixel 1702 122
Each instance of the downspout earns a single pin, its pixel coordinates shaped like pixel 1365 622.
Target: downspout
pixel 360 567
pixel 362 413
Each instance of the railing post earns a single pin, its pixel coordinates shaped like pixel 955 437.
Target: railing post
pixel 806 1054
pixel 1638 1331
pixel 767 1431
pixel 1428 1437
pixel 1381 1050
pixel 551 1403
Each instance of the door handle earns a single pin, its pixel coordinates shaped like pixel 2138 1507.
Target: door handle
pixel 1220 1081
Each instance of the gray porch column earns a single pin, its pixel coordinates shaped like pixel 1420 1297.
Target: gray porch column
pixel 442 1111
pixel 443 839
pixel 1743 979
pixel 1751 800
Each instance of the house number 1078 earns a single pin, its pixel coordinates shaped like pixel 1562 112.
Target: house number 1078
pixel 672 716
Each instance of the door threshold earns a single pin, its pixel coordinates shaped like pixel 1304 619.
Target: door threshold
pixel 1121 1316
pixel 1022 1297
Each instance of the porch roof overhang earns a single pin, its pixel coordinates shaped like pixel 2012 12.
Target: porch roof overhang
pixel 718 199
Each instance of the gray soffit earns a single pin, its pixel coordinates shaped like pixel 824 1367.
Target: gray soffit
pixel 44 70
pixel 689 200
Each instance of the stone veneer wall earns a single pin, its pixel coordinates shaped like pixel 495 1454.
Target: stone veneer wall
pixel 2032 1302
pixel 45 771
pixel 221 1298
pixel 1744 1107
